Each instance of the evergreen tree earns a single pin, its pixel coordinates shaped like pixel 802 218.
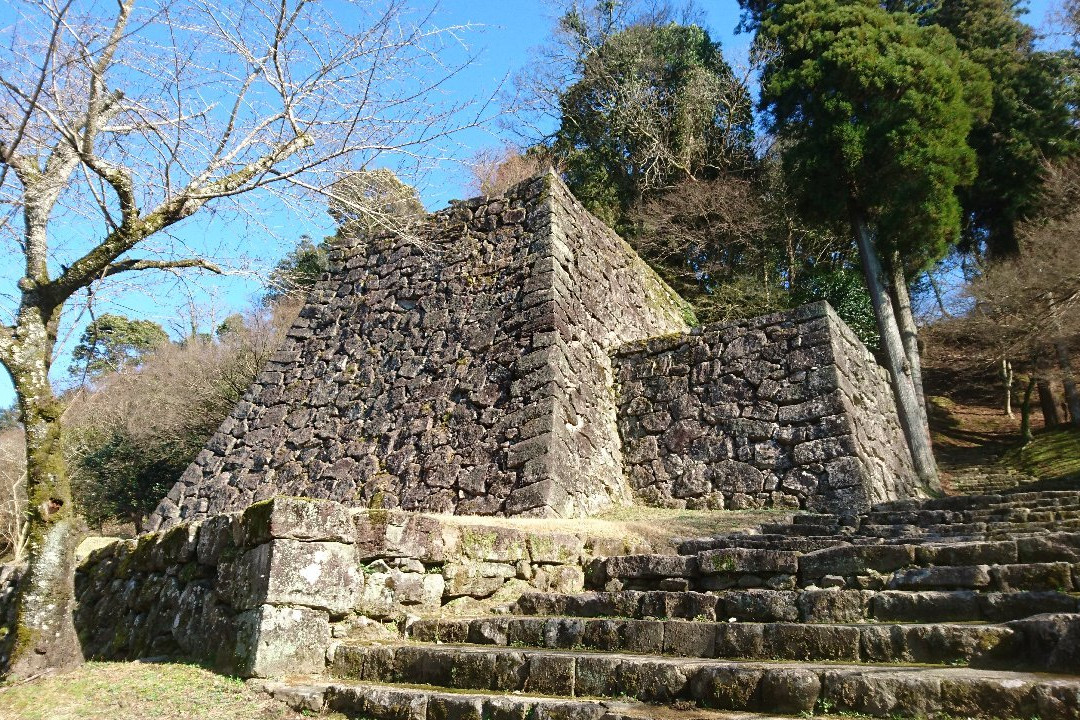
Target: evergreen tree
pixel 298 271
pixel 875 111
pixel 1030 121
pixel 113 342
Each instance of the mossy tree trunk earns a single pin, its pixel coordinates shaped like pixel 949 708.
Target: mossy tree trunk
pixel 1026 435
pixel 45 633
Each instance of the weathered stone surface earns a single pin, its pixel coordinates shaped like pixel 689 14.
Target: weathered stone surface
pixel 393 534
pixel 786 410
pixel 472 373
pixel 277 641
pixel 294 518
pixel 1050 641
pixel 855 560
pixel 467 373
pixel 283 572
pixel 747 560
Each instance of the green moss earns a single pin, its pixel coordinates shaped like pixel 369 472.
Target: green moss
pixel 477 543
pixel 1051 455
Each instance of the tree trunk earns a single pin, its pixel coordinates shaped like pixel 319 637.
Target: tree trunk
pixel 1006 374
pixel 1048 403
pixel 909 332
pixel 1072 396
pixel 907 403
pixel 45 602
pixel 1025 412
pixel 937 295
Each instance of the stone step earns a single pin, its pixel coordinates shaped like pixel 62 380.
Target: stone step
pixel 806 606
pixel 387 701
pixel 941 644
pixel 765 541
pixel 984 566
pixel 943 517
pixel 1049 498
pixel 875 690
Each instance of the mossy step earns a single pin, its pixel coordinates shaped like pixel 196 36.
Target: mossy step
pixel 876 690
pixel 942 644
pixel 806 606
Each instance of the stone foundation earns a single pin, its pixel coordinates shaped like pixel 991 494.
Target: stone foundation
pixel 787 410
pixel 466 371
pixel 504 360
pixel 264 592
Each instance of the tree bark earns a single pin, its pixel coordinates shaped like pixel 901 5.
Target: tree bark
pixel 907 403
pixel 1006 374
pixel 1047 400
pixel 1072 396
pixel 45 601
pixel 909 332
pixel 1048 403
pixel 1025 412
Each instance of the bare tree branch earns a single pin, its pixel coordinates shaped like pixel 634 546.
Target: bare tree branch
pixel 142 264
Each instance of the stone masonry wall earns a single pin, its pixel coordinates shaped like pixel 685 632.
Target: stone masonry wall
pixel 265 592
pixel 250 594
pixel 462 372
pixel 787 410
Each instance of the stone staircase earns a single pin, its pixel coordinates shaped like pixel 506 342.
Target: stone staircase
pixel 950 607
pixel 982 479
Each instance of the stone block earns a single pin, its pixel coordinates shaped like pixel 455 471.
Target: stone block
pixel 747 560
pixel 1033 576
pixel 475 579
pixel 1049 642
pixel 728 687
pixel 288 572
pixel 790 690
pixel 393 534
pixel 494 544
pixel 834 606
pixel 276 641
pixel 555 548
pixel 967 553
pixel 690 639
pixel 854 560
pixel 942 577
pixel 650 566
pixel 215 539
pixel 294 519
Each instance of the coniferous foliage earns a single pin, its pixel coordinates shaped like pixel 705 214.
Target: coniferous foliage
pixel 1030 121
pixel 114 342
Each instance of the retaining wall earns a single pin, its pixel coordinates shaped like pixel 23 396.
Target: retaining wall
pixel 786 410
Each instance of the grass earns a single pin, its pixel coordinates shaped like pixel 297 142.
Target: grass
pixel 1052 455
pixel 639 525
pixel 137 691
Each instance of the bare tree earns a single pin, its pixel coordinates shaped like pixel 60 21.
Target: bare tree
pixel 494 170
pixel 1024 309
pixel 119 120
pixel 13 528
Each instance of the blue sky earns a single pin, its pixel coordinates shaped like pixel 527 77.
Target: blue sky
pixel 509 30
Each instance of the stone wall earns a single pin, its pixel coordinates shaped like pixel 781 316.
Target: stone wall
pixel 250 594
pixel 264 592
pixel 464 371
pixel 10 575
pixel 787 410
